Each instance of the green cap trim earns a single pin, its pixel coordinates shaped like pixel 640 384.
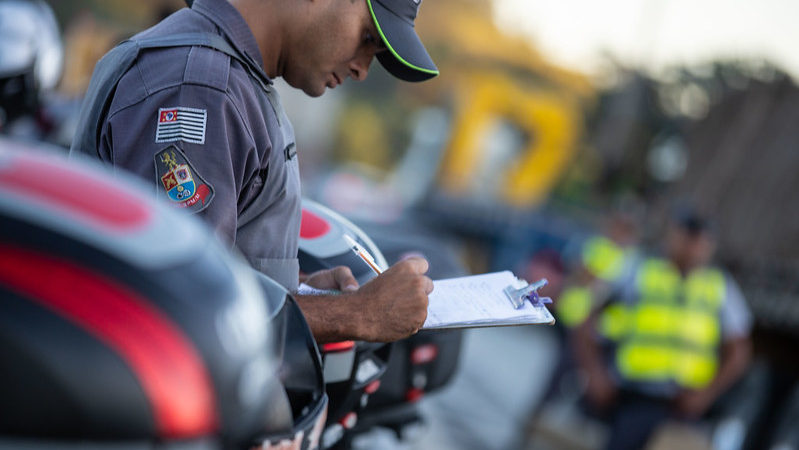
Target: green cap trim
pixel 391 49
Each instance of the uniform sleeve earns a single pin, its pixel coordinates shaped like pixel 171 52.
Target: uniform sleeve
pixel 736 319
pixel 190 141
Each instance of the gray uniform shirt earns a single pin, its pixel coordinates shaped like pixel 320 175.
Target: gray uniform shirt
pixel 211 138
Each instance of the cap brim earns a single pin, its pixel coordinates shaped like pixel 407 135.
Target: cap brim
pixel 405 57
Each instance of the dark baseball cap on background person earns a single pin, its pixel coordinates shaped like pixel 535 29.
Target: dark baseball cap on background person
pixel 692 221
pixel 405 57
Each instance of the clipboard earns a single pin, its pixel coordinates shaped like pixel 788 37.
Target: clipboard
pixel 486 300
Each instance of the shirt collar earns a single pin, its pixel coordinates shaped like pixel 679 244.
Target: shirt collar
pixel 228 19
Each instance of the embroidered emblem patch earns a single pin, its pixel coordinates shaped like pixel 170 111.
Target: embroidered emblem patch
pixel 181 124
pixel 181 182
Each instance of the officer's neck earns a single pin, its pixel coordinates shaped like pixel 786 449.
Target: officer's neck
pixel 266 21
pixel 686 267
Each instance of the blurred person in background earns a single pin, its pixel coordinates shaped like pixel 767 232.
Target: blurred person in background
pixel 604 260
pixel 596 264
pixel 678 340
pixel 31 59
pixel 189 105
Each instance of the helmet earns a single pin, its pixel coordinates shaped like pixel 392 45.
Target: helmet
pixel 31 55
pixel 322 245
pixel 125 323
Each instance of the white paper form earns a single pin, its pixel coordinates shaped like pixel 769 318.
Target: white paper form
pixel 480 300
pixel 304 289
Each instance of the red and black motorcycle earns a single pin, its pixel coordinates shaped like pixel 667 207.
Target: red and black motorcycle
pixel 125 324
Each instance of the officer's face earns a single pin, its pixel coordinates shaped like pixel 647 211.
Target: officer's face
pixel 340 41
pixel 690 250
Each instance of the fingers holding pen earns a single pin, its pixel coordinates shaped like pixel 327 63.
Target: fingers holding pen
pixel 419 266
pixel 415 264
pixel 339 278
pixel 345 279
pixel 394 305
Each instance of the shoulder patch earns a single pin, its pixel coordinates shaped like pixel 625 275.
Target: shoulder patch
pixel 179 123
pixel 182 183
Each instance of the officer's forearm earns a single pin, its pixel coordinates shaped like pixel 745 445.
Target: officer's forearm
pixel 585 346
pixel 330 317
pixel 735 356
pixel 392 306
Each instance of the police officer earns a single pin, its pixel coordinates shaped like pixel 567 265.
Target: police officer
pixel 679 338
pixel 603 261
pixel 189 105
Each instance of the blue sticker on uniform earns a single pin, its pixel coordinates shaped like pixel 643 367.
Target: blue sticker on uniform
pixel 181 124
pixel 181 182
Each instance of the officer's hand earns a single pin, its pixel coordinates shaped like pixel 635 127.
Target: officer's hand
pixel 600 389
pixel 394 305
pixel 692 404
pixel 338 278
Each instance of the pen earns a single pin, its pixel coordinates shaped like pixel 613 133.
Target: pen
pixel 363 254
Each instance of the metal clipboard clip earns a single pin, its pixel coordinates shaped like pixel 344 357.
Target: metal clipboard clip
pixel 517 296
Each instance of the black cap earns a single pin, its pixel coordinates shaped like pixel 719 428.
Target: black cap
pixel 692 221
pixel 406 57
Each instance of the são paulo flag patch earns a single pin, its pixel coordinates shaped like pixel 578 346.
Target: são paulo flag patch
pixel 181 124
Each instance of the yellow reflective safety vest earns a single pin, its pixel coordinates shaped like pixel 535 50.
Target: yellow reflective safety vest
pixel 671 333
pixel 606 261
pixel 603 258
pixel 574 305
